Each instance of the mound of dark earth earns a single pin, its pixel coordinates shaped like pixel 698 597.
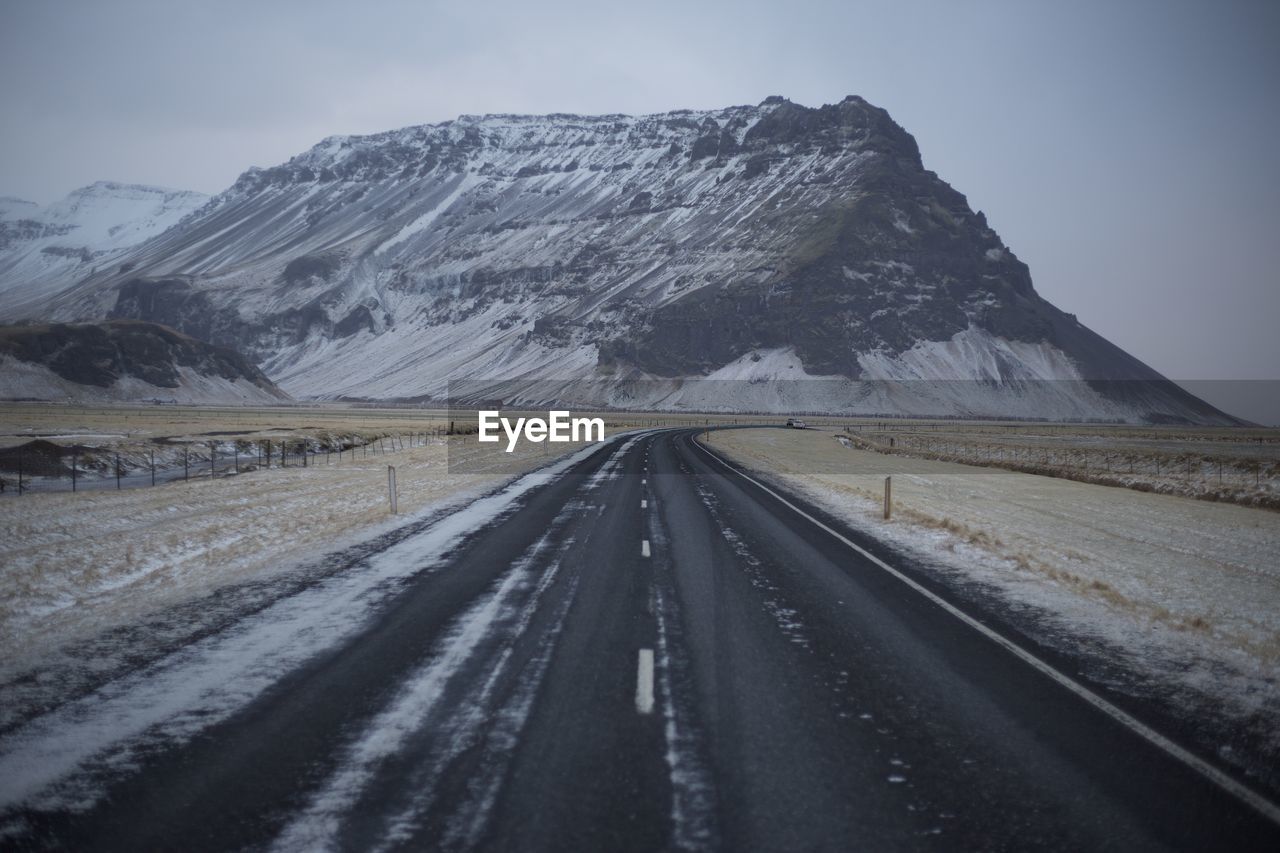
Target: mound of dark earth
pixel 37 458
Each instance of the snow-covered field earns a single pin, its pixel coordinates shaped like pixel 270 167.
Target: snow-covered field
pixel 1186 593
pixel 79 565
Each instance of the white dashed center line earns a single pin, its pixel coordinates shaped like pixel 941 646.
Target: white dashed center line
pixel 644 682
pixel 644 547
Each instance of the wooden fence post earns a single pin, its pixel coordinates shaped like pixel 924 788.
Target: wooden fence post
pixel 391 487
pixel 888 498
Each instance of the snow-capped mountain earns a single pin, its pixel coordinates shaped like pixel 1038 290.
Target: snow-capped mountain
pixel 46 248
pixel 613 259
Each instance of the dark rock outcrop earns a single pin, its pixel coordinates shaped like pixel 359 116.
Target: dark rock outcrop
pixel 101 354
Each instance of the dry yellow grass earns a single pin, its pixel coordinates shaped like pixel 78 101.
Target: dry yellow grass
pixel 135 425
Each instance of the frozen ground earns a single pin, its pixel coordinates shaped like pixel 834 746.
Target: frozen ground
pixel 1186 593
pixel 78 566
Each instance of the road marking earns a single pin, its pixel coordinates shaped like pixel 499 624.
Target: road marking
pixel 1204 768
pixel 644 547
pixel 644 682
pixel 643 481
pixel 644 504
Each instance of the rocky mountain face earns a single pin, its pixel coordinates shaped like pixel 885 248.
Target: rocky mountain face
pixel 619 260
pixel 43 249
pixel 125 360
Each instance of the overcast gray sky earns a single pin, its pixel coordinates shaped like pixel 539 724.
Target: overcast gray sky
pixel 1125 149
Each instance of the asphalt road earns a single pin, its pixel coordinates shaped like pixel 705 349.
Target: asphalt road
pixel 647 652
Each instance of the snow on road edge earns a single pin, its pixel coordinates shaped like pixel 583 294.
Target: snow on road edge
pixel 61 760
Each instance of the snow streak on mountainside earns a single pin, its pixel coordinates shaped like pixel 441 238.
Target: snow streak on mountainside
pixel 620 257
pixel 42 250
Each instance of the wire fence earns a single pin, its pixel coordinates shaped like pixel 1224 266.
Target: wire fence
pixel 42 466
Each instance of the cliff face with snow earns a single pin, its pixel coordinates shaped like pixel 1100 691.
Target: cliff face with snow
pixel 612 259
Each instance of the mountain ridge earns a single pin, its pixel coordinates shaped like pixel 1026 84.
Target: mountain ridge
pixel 602 250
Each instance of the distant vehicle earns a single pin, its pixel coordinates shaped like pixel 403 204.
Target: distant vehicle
pixel 795 424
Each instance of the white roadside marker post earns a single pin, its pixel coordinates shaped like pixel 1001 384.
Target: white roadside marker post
pixel 888 497
pixel 391 487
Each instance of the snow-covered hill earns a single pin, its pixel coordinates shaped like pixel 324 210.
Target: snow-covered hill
pixel 124 360
pixel 43 249
pixel 616 259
